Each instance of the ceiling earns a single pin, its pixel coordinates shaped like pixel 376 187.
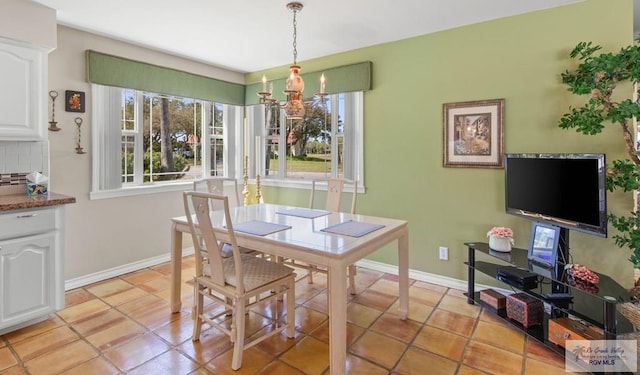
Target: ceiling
pixel 251 35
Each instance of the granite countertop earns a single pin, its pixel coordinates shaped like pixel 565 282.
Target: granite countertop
pixel 17 199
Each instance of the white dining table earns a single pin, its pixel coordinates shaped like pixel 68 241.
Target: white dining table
pixel 304 239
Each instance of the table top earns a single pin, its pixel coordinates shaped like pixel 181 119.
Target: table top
pixel 306 233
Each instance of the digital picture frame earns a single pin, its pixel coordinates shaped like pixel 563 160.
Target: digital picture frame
pixel 543 245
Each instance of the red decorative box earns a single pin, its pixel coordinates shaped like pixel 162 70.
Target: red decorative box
pixel 525 309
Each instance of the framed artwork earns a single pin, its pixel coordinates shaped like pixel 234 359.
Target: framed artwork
pixel 474 134
pixel 74 101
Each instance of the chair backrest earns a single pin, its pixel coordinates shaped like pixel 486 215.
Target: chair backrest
pixel 221 186
pixel 198 208
pixel 335 188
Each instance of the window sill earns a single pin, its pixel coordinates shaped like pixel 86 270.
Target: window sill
pixel 188 185
pixel 141 190
pixel 300 184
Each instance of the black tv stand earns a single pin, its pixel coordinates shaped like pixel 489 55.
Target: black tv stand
pixel 594 306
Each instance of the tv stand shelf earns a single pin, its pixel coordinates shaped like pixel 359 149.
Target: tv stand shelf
pixel 595 305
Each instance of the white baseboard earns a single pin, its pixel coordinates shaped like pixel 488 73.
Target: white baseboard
pixel 427 277
pixel 120 270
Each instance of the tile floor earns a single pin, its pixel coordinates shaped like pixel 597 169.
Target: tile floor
pixel 124 326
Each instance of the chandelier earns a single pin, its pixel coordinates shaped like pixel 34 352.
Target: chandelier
pixel 294 86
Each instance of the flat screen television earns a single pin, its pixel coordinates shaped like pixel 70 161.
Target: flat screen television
pixel 567 190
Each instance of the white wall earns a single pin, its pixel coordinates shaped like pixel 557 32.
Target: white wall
pixel 28 22
pixel 107 233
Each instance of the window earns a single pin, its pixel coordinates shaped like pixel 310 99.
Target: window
pixel 146 141
pixel 327 142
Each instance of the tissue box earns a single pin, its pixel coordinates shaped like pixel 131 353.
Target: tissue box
pixel 35 189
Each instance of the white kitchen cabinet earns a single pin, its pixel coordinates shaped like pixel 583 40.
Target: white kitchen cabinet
pixel 23 94
pixel 31 268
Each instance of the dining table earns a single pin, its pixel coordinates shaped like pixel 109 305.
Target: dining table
pixel 333 240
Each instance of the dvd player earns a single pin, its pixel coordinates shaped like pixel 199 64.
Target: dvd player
pixel 516 277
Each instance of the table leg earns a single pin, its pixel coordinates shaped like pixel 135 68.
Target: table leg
pixel 176 268
pixel 337 290
pixel 403 275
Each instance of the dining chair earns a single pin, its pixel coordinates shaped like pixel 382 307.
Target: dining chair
pixel 223 186
pixel 234 281
pixel 333 200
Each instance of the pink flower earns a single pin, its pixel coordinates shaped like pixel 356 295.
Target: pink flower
pixel 500 232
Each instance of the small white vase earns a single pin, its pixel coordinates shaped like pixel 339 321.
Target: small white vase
pixel 501 244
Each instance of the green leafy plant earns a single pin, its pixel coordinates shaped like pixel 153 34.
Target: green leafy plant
pixel 598 76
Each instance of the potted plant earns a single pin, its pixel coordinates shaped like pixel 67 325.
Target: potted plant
pixel 598 76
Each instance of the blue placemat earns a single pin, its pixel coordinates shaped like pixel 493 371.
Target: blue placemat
pixel 259 228
pixel 303 212
pixel 353 228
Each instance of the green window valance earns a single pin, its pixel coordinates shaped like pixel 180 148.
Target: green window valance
pixel 347 78
pixel 116 71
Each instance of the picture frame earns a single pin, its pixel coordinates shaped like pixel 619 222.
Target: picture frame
pixel 74 101
pixel 474 134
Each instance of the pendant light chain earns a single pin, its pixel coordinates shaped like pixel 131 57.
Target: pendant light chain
pixel 295 36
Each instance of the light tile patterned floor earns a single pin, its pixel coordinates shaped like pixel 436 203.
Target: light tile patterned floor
pixel 124 326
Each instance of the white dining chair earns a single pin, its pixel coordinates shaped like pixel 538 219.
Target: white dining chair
pixel 226 186
pixel 332 202
pixel 233 282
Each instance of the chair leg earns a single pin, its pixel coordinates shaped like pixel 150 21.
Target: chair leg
pixel 291 310
pixel 352 279
pixel 229 302
pixel 238 323
pixel 310 274
pixel 197 311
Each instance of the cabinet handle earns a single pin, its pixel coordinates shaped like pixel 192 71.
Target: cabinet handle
pixel 25 216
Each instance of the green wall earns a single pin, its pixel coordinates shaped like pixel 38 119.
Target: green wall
pixel 518 58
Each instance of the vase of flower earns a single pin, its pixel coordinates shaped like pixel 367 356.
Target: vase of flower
pixel 500 239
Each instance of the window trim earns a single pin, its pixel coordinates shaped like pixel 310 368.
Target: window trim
pixel 105 139
pixel 255 118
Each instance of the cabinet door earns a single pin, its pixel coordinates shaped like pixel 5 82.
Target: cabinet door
pixel 26 278
pixel 22 92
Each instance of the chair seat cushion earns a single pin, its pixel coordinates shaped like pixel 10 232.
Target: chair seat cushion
pixel 257 272
pixel 227 250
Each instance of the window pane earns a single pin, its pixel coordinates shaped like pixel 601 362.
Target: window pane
pixel 272 140
pixel 216 140
pixel 128 147
pixel 309 142
pixel 127 118
pixel 217 157
pixel 171 137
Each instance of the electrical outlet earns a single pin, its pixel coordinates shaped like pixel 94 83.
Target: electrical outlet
pixel 444 253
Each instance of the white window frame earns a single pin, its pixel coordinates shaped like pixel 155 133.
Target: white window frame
pixel 353 157
pixel 107 146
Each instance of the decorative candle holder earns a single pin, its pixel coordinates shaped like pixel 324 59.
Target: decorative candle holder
pixel 245 182
pixel 265 97
pixel 53 125
pixel 258 190
pixel 322 96
pixel 79 149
